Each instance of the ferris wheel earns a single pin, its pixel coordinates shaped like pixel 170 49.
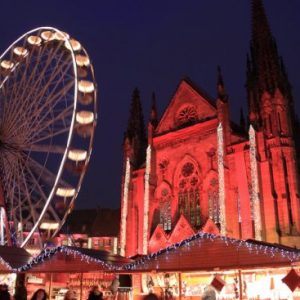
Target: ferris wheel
pixel 48 114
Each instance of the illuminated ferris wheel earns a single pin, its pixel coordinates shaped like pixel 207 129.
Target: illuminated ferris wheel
pixel 47 122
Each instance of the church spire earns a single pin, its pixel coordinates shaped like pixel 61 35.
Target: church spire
pixel 153 113
pixel 242 119
pixel 264 69
pixel 135 134
pixel 220 86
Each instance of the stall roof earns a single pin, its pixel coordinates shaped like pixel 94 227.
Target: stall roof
pixel 12 258
pixel 73 259
pixel 209 252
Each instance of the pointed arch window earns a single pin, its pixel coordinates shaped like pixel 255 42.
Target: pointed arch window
pixel 165 209
pixel 189 196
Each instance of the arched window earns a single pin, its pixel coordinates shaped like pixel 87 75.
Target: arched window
pixel 213 201
pixel 165 209
pixel 189 196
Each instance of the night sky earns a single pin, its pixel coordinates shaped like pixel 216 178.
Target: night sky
pixel 152 45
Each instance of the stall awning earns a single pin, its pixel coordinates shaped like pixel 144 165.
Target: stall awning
pixel 12 258
pixel 208 252
pixel 73 259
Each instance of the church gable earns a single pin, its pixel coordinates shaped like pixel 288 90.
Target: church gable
pixel 188 106
pixel 210 227
pixel 181 231
pixel 158 239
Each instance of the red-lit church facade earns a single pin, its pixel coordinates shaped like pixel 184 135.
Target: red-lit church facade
pixel 197 170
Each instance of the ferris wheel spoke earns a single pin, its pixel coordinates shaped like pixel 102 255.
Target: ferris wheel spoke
pixel 17 84
pixel 31 88
pixel 9 168
pixel 41 127
pixel 56 149
pixel 28 105
pixel 48 177
pixel 53 213
pixel 21 87
pixel 42 193
pixel 36 75
pixel 51 102
pixel 18 209
pixel 28 198
pixel 54 79
pixel 51 135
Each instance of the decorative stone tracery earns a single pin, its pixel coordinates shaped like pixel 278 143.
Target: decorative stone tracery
pixel 187 115
pixel 189 194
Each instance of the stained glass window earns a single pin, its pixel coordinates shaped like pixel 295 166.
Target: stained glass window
pixel 189 196
pixel 165 210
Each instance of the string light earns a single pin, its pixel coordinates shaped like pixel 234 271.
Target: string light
pixel 254 248
pixel 146 200
pixel 255 203
pixel 7 265
pixel 221 179
pixel 47 254
pixel 124 209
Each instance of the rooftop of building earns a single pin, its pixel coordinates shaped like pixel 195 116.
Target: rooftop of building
pixel 97 222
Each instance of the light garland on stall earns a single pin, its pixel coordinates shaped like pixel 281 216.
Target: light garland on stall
pixel 47 253
pixel 252 247
pixel 222 218
pixel 124 209
pixel 146 200
pixel 7 265
pixel 255 203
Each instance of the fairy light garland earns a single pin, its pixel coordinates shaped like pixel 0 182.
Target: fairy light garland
pixel 7 265
pixel 254 184
pixel 221 179
pixel 47 253
pixel 258 249
pixel 146 200
pixel 124 209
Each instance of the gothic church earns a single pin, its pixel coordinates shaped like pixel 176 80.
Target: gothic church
pixel 199 171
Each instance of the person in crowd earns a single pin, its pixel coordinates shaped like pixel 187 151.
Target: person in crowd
pixel 95 293
pixel 39 294
pixel 70 295
pixel 209 293
pixel 114 286
pixel 151 296
pixel 4 293
pixel 21 292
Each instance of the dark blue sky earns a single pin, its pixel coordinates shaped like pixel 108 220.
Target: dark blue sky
pixel 152 45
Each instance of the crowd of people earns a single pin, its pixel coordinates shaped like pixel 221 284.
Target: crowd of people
pixel 40 294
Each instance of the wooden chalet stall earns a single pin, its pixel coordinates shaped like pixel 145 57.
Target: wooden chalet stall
pixel 206 264
pixel 62 268
pixel 11 259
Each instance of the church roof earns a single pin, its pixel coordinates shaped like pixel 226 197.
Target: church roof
pixel 200 90
pixel 187 95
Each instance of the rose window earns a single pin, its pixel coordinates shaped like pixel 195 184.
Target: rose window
pixel 187 169
pixel 187 115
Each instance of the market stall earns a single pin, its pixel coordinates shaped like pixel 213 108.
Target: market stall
pixel 230 268
pixel 79 269
pixel 11 258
